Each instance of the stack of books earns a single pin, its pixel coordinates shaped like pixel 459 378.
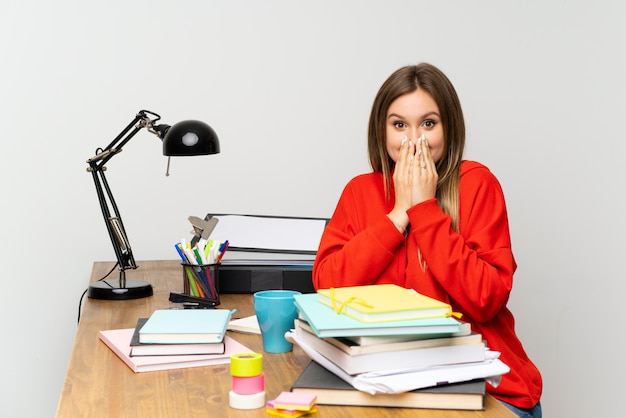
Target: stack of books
pixel 388 333
pixel 332 390
pixel 175 338
pixel 356 358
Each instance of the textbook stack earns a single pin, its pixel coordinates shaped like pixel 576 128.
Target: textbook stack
pixel 387 340
pixel 137 348
pixel 175 338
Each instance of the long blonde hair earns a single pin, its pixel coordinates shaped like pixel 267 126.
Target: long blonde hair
pixel 430 79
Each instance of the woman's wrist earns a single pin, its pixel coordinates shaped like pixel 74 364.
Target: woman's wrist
pixel 400 226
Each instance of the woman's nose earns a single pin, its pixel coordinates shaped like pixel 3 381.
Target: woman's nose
pixel 415 134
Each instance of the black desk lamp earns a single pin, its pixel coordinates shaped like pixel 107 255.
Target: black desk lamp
pixel 184 138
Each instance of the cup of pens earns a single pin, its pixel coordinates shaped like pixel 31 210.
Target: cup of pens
pixel 202 281
pixel 201 268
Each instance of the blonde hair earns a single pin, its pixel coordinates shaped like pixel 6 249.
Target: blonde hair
pixel 430 79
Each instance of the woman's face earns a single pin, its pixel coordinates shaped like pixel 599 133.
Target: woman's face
pixel 412 115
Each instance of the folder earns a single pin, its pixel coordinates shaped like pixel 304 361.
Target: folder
pixel 267 252
pixel 277 234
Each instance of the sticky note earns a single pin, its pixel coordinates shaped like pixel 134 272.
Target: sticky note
pixel 295 401
pixel 287 413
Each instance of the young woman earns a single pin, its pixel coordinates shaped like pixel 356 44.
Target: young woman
pixel 428 220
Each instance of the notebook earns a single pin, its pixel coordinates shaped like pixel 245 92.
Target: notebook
pixel 382 302
pixel 327 323
pixel 138 349
pixel 185 326
pixel 118 340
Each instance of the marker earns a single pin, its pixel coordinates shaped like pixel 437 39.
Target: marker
pixel 207 249
pixel 180 253
pixel 198 256
pixel 190 255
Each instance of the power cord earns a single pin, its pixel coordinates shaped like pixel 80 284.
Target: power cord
pixel 80 302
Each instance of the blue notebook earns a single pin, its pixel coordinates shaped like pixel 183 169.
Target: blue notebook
pixel 327 323
pixel 185 326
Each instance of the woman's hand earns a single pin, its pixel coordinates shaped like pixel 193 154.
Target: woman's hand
pixel 402 180
pixel 424 175
pixel 414 178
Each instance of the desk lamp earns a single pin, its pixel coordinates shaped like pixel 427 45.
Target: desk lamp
pixel 189 137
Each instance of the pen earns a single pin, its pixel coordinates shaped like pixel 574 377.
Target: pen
pixel 223 250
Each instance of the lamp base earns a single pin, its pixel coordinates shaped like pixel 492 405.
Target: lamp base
pixel 135 289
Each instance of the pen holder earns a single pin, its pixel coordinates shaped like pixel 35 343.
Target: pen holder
pixel 201 281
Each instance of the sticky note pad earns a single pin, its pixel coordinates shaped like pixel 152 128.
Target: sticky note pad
pixel 295 401
pixel 287 413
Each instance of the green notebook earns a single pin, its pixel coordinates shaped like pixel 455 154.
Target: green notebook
pixel 185 326
pixel 327 323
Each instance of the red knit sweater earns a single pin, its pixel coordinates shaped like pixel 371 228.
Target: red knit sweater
pixel 472 270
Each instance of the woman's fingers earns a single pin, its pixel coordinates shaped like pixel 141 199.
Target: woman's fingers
pixel 425 176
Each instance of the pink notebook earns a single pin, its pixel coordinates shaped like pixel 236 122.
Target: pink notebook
pixel 118 340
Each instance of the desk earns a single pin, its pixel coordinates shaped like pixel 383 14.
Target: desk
pixel 99 384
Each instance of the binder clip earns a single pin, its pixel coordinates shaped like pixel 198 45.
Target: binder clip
pixel 202 228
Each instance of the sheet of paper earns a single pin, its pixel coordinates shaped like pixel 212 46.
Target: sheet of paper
pixel 268 233
pixel 398 381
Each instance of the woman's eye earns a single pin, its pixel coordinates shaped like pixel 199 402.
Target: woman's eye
pixel 429 123
pixel 399 125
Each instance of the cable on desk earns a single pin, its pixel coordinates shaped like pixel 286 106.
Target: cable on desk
pixel 80 301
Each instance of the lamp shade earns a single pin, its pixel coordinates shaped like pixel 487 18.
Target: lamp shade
pixel 190 137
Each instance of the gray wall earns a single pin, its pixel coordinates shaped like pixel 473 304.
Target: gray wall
pixel 288 86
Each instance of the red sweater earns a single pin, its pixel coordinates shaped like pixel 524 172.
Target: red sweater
pixel 472 270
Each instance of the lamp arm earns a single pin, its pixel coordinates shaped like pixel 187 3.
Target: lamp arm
pixel 110 211
pixel 113 222
pixel 141 120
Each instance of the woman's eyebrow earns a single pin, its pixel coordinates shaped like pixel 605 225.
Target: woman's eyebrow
pixel 424 116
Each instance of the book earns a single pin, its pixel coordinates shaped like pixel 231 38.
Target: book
pixel 138 349
pixel 247 325
pixel 363 340
pixel 185 326
pixel 118 340
pixel 406 379
pixel 327 323
pixel 383 361
pixel 350 347
pixel 332 390
pixel 382 302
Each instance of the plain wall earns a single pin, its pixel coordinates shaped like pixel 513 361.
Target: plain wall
pixel 288 86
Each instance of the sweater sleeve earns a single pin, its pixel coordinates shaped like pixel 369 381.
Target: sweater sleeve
pixel 474 267
pixel 359 242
